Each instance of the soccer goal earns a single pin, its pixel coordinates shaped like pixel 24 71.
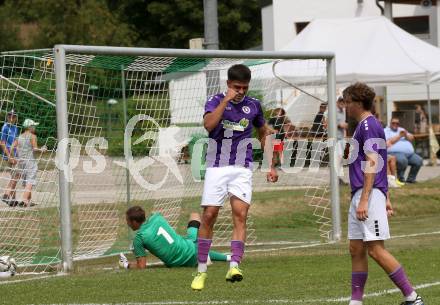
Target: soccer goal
pixel 123 127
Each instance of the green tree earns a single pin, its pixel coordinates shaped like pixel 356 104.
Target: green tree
pixel 149 23
pixel 9 28
pixel 82 22
pixel 69 22
pixel 240 24
pixel 171 23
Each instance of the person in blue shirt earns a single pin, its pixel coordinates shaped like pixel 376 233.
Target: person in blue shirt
pixel 399 143
pixel 9 133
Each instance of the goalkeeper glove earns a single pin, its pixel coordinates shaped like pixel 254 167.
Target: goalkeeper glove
pixel 123 261
pixel 13 266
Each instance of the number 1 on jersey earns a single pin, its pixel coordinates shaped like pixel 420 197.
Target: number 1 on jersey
pixel 165 234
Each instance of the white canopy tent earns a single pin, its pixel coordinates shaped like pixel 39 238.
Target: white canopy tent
pixel 370 49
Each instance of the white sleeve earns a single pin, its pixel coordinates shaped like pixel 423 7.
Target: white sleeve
pixel 387 133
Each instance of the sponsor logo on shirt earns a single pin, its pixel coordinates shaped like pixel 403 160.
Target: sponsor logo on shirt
pixel 244 122
pixel 240 126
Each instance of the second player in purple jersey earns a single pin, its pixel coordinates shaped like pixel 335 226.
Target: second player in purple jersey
pixel 232 145
pixel 370 204
pixel 370 137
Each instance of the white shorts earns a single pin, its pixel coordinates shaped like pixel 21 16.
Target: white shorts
pixel 376 226
pixel 228 180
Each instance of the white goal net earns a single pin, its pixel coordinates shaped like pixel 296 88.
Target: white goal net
pixel 156 105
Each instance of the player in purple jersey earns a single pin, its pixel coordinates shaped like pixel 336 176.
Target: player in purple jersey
pixel 370 204
pixel 229 118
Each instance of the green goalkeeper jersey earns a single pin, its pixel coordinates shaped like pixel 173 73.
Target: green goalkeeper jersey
pixel 160 239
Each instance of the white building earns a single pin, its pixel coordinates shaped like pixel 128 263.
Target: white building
pixel 282 20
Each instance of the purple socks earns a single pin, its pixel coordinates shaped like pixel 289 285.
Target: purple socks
pixel 400 279
pixel 237 250
pixel 203 246
pixel 358 280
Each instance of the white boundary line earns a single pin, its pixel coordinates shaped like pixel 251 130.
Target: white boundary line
pixel 317 244
pixel 287 248
pixel 29 279
pixel 269 301
pixel 309 245
pixel 416 234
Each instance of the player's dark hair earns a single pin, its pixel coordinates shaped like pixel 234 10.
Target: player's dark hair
pixel 136 213
pixel 239 73
pixel 362 93
pixel 194 224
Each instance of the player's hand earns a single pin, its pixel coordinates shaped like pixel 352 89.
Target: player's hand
pixel 12 161
pixel 43 148
pixel 230 95
pixel 362 210
pixel 272 176
pixel 390 211
pixel 123 261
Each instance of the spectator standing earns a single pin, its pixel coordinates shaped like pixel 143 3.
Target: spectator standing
pixel 9 133
pixel 421 120
pixel 278 121
pixel 318 126
pixel 340 135
pixel 399 143
pixel 27 165
pixel 283 128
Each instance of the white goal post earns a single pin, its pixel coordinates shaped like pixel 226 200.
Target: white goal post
pixel 62 51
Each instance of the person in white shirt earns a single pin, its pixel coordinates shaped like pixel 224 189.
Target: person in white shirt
pixel 399 143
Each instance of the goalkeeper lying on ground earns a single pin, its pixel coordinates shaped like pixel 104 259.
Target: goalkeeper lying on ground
pixel 159 238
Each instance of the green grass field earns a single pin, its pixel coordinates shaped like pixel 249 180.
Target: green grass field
pixel 311 275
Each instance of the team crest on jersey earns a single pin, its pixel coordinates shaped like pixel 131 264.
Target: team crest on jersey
pixel 246 109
